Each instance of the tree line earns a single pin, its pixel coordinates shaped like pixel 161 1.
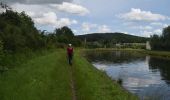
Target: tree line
pixel 161 42
pixel 18 34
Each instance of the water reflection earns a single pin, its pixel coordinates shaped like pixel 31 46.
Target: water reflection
pixel 163 65
pixel 113 57
pixel 146 76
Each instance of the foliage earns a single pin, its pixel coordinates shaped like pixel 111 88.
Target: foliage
pixel 161 42
pixel 66 36
pixel 18 32
pixel 1 52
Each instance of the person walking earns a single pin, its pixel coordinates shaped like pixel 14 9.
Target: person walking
pixel 70 53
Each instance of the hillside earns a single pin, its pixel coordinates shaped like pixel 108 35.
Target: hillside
pixel 115 37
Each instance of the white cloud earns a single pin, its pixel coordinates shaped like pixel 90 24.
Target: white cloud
pixel 149 33
pixel 128 23
pixel 142 27
pixel 156 24
pixel 64 7
pixel 104 29
pixel 65 22
pixel 165 25
pixel 157 31
pixel 89 27
pixel 139 15
pixel 37 1
pixel 146 33
pixel 47 16
pixel 2 10
pixel 86 27
pixel 36 8
pixel 50 18
pixel 162 25
pixel 71 8
pixel 75 31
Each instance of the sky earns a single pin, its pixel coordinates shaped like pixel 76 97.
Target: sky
pixel 135 17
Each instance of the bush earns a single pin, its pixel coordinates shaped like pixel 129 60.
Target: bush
pixel 1 52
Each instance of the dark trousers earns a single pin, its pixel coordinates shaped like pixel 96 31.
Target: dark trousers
pixel 70 58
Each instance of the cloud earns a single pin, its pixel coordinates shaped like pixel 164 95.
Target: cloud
pixel 64 7
pixel 37 1
pixel 139 15
pixel 142 27
pixel 65 22
pixel 86 27
pixel 71 8
pixel 157 31
pixel 51 19
pixel 47 16
pixel 104 29
pixel 149 33
pixel 156 24
pixel 89 27
pixel 32 8
pixel 2 10
pixel 162 25
pixel 128 23
pixel 146 33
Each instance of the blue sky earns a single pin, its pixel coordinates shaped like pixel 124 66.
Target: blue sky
pixel 136 17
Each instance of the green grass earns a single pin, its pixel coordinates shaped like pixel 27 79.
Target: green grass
pixel 42 78
pixel 48 77
pixel 163 54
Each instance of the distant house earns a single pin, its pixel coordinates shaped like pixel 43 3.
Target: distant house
pixel 148 46
pixel 118 44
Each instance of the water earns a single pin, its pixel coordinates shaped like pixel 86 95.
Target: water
pixel 146 76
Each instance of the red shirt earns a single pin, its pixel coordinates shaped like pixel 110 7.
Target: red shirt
pixel 69 50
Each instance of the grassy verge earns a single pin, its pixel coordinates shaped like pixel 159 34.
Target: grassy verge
pixel 163 54
pixel 48 77
pixel 42 78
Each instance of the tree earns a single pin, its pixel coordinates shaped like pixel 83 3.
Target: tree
pixel 66 36
pixel 161 42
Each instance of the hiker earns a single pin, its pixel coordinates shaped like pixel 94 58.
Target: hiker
pixel 70 53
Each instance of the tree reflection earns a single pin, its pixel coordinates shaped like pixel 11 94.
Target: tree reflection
pixel 163 65
pixel 114 56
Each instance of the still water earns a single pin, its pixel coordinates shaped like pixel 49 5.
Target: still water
pixel 146 76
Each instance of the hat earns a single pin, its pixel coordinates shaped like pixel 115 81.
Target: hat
pixel 70 45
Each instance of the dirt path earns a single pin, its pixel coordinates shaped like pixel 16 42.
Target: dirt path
pixel 72 84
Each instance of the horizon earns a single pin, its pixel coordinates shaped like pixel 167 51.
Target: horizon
pixel 135 17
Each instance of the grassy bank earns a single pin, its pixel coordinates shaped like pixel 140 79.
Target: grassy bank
pixel 41 78
pixel 164 54
pixel 48 77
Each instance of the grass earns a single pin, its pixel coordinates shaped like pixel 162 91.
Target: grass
pixel 42 78
pixel 162 54
pixel 48 77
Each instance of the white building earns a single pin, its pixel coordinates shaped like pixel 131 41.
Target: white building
pixel 148 46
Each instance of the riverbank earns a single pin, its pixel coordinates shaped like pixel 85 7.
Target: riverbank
pixel 49 77
pixel 162 54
